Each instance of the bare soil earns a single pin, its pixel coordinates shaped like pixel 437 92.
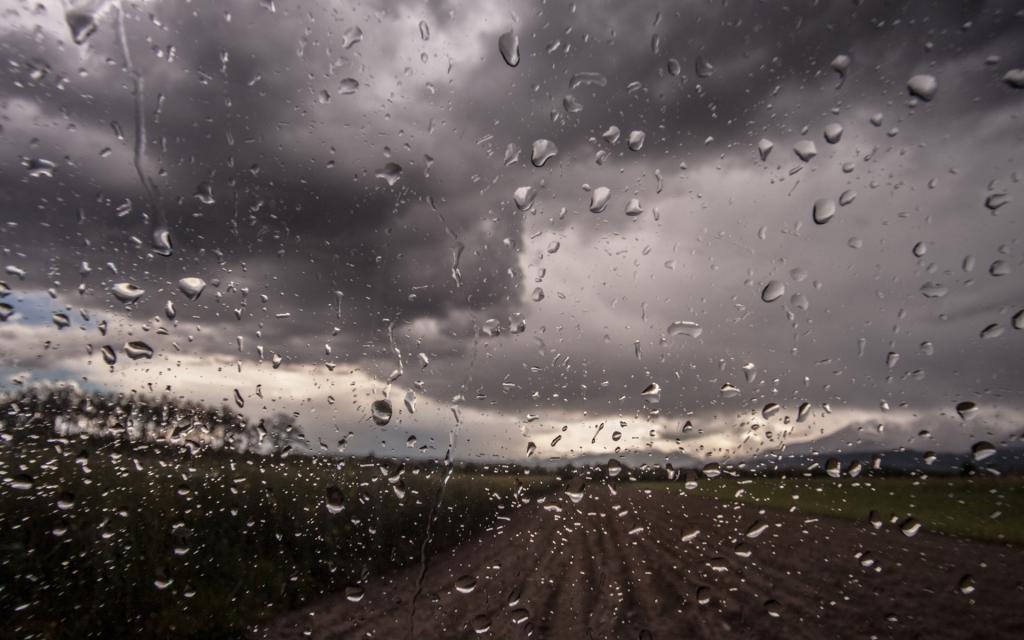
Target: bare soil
pixel 615 566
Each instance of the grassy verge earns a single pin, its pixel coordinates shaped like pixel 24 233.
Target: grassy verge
pixel 989 509
pixel 123 541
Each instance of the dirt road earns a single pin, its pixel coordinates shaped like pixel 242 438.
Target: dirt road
pixel 618 567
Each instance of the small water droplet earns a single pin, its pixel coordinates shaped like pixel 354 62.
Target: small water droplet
pixel 348 86
pixel 684 328
pixel 833 132
pixel 636 140
pixel 805 150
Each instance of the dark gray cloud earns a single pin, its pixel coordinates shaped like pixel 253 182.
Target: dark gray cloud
pixel 301 218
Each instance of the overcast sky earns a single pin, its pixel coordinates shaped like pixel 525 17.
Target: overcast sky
pixel 254 106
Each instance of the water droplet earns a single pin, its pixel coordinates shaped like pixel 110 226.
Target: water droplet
pixel 996 200
pixel 805 150
pixel 729 391
pixel 636 140
pixel 824 209
pixel 764 147
pixel 354 593
pixel 684 328
pixel 204 192
pixel 137 350
pixel 424 30
pixel 934 290
pixel 651 393
pixel 380 411
pixel 524 197
pixel 587 78
pixel 348 86
pixel 511 154
pixel 481 624
pixel 877 119
pixel 923 86
pixel 770 410
pixel 40 168
pixel 702 67
pixel 192 287
pixel 599 199
pixel 1014 78
pixel 1018 320
pixel 991 331
pixel 773 291
pixel 966 409
pixel 127 292
pixel 982 451
pixel 614 468
pixel 575 489
pixel 491 327
pixel 543 150
pixel 833 468
pixel 571 104
pixel 633 207
pixel 910 527
pixel 351 37
pixel 61 320
pixel 508 45
pixel 465 584
pixel 390 173
pixel 833 132
pixel 840 64
pixel 674 68
pixel 803 411
pixel 966 585
pixel 755 530
pixel 335 500
pixel 82 24
pixel 999 268
pixel 611 134
pixel 108 354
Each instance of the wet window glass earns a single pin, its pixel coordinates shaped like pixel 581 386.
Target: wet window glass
pixel 508 318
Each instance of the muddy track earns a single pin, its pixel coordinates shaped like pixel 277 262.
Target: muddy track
pixel 614 566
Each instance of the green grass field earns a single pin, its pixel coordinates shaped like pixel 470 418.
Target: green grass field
pixel 150 542
pixel 989 509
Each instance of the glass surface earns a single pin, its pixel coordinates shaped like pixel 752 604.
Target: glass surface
pixel 438 319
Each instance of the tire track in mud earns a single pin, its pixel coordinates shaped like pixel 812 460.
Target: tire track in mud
pixel 588 573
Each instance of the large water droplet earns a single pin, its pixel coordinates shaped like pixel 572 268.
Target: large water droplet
pixel 127 292
pixel 1014 78
pixel 824 210
pixel 684 328
pixel 348 86
pixel 764 147
pixel 81 23
pixel 636 140
pixel 543 150
pixel 934 290
pixel 335 500
pixel 966 409
pixel 833 132
pixel 380 411
pixel 599 199
pixel 137 350
pixel 923 86
pixel 391 173
pixel 982 451
pixel 773 291
pixel 702 67
pixel 192 287
pixel 805 150
pixel 508 45
pixel 523 197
